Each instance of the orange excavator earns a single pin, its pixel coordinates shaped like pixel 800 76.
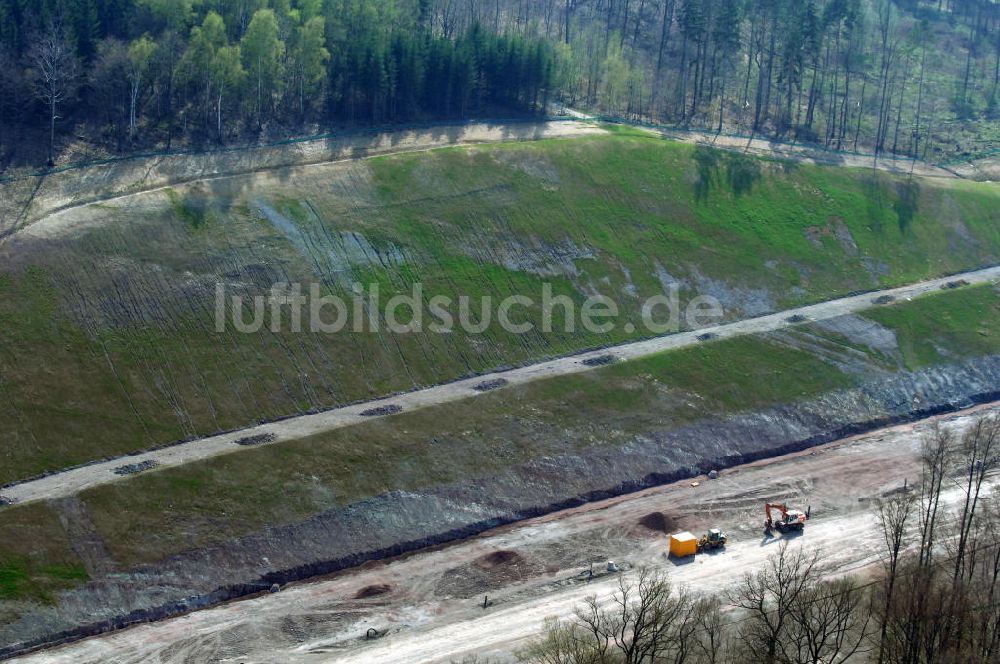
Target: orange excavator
pixel 789 521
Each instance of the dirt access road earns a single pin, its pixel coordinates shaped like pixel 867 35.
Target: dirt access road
pixel 77 479
pixel 52 205
pixel 427 606
pixel 806 153
pixel 811 155
pixel 60 202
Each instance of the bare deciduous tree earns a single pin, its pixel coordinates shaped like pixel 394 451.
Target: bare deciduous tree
pixel 55 70
pixel 647 621
pixel 641 623
pixel 562 643
pixel 829 623
pixel 712 632
pixel 893 515
pixel 768 597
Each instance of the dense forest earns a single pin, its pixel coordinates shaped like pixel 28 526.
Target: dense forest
pixel 83 78
pixel 913 77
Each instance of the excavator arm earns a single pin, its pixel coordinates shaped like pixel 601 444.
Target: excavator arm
pixel 778 506
pixel 790 520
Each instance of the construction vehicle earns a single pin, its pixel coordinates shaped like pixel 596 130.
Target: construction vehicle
pixel 685 544
pixel 790 520
pixel 713 539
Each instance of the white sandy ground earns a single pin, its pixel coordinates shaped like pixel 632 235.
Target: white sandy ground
pixel 78 479
pixel 424 626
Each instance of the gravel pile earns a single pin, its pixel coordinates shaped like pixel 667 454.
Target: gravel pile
pixel 488 385
pixel 599 361
pixel 389 409
pixel 133 468
pixel 258 439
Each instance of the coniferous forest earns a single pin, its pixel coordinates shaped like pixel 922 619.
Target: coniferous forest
pixel 95 78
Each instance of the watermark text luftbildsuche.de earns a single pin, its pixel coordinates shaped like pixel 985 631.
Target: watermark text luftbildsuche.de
pixel 294 307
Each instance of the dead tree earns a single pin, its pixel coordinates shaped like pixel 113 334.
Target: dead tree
pixel 768 597
pixel 647 621
pixel 829 623
pixel 893 515
pixel 55 69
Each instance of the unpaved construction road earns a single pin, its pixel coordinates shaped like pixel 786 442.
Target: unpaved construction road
pixel 427 607
pixel 53 204
pixel 77 479
pixel 808 154
pixel 64 201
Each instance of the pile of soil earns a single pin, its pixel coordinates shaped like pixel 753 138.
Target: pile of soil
pixel 373 590
pixel 499 559
pixel 486 574
pixel 133 468
pixel 599 361
pixel 660 522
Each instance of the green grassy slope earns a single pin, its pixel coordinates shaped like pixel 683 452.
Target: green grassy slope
pixel 36 559
pixel 149 517
pixel 106 336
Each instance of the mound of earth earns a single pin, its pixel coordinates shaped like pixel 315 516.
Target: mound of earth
pixel 374 590
pixel 487 573
pixel 499 559
pixel 660 522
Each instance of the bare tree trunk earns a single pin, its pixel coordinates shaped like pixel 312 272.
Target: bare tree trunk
pixel 861 110
pixel 920 100
pixel 668 16
pixel 893 515
pixel 52 129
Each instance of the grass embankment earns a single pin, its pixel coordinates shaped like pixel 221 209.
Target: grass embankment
pixel 941 329
pixel 147 518
pixel 106 337
pixel 36 560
